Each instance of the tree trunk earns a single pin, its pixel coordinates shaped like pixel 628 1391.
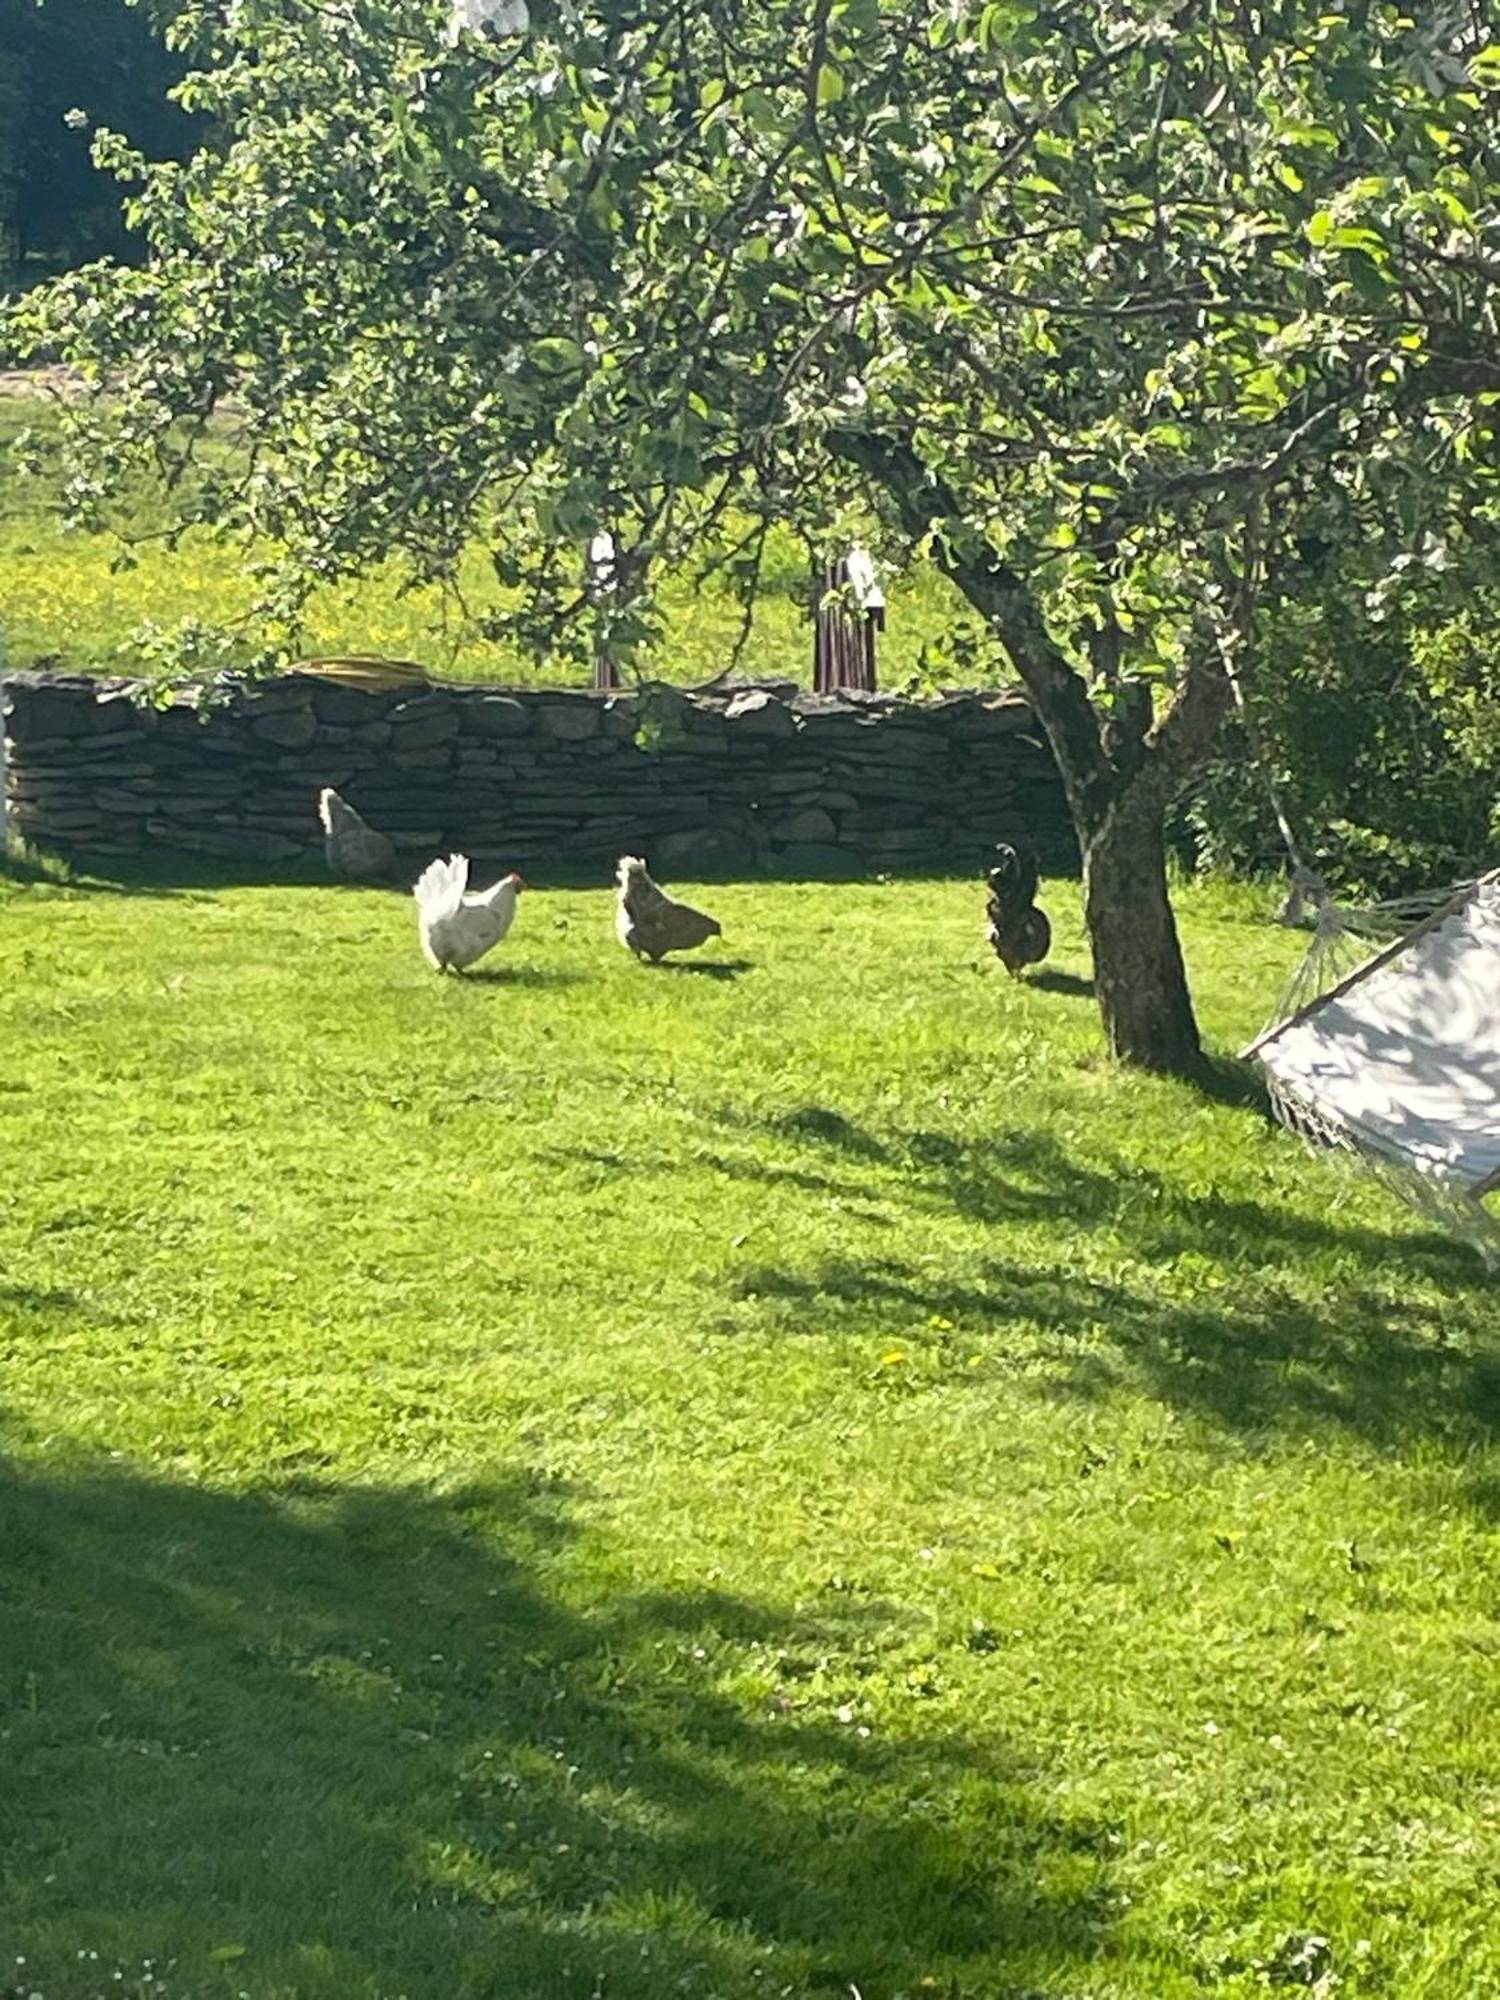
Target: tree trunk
pixel 1140 981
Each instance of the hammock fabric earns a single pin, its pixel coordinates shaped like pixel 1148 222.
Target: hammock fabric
pixel 1400 1061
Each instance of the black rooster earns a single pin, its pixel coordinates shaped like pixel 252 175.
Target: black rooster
pixel 1018 931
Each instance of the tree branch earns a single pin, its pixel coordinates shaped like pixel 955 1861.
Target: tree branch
pixel 930 513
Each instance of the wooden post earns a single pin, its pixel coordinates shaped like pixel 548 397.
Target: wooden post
pixel 844 639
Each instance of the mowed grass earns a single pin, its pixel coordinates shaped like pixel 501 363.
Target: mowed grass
pixel 785 1475
pixel 66 601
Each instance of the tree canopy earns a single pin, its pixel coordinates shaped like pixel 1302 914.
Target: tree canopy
pixel 1114 306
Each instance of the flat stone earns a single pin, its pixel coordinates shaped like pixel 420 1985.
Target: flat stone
pixel 192 774
pixel 570 722
pixel 778 785
pixel 433 758
pixel 828 801
pixel 185 721
pixel 757 712
pixel 357 707
pixel 81 767
pixel 618 716
pixel 235 843
pixel 981 715
pixel 41 749
pixel 289 729
pixel 114 799
pixel 894 814
pixel 71 819
pixel 265 694
pixel 811 824
pixel 316 762
pixel 50 785
pixel 37 714
pixel 691 847
pixel 114 714
pixel 816 861
pixel 871 786
pixel 113 842
pixel 422 722
pixel 909 840
pixel 496 715
pixel 840 726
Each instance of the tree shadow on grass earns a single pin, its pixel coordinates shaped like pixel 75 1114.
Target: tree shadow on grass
pixel 354 1741
pixel 1224 1332
pixel 1023 1174
pixel 1225 1079
pixel 1388 1372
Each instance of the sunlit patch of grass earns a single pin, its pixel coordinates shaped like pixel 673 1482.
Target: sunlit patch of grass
pixel 590 1480
pixel 66 600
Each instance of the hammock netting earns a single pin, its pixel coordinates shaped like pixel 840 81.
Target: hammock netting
pixel 1393 1053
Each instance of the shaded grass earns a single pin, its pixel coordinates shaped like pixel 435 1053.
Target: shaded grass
pixel 598 1483
pixel 64 600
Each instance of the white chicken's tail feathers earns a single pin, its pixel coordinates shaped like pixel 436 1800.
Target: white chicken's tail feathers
pixel 440 888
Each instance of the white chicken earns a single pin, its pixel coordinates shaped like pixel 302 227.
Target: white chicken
pixel 457 929
pixel 651 923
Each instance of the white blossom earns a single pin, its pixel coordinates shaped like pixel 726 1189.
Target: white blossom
pixel 505 17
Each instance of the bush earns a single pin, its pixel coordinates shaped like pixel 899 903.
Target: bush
pixel 1382 735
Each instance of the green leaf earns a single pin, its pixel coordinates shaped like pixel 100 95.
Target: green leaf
pixel 1368 279
pixel 1296 132
pixel 1357 237
pixel 830 84
pixel 558 355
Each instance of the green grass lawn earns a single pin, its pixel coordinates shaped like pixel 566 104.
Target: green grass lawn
pixel 65 601
pixel 803 1480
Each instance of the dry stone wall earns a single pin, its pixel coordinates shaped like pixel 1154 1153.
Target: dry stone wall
pixel 753 778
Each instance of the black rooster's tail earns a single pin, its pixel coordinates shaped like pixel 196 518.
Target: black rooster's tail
pixel 1013 879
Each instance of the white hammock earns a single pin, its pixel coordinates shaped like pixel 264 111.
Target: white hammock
pixel 1400 1061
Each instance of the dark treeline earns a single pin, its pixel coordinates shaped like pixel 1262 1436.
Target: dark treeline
pixel 104 59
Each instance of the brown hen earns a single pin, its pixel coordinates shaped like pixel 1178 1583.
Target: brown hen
pixel 651 923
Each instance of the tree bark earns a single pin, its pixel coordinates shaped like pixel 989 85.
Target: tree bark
pixel 1140 981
